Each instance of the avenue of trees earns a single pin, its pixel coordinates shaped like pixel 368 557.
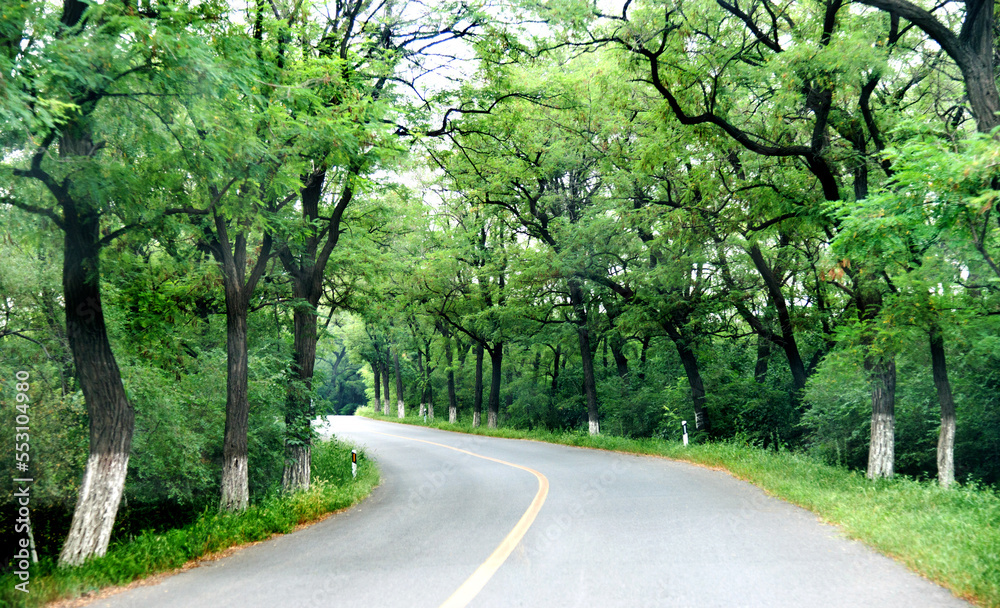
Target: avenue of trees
pixel 774 220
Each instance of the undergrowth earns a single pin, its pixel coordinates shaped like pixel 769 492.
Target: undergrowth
pixel 332 488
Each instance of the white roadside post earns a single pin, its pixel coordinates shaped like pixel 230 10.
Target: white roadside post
pixel 354 463
pixel 684 425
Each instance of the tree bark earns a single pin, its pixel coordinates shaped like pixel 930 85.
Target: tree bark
pixel 586 354
pixel 689 360
pixel 428 388
pixel 881 450
pixel 385 385
pixel 493 403
pixel 763 352
pixel 643 357
pixel 509 398
pixel 231 256
pixel 400 407
pixel 452 398
pixel 235 482
pixel 882 375
pixel 377 372
pixel 422 390
pixel 298 407
pixel 946 435
pixel 777 298
pixel 477 397
pixel 307 270
pixel 110 415
pixel 589 383
pixel 556 354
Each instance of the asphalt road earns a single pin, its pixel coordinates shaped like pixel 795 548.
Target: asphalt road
pixel 499 523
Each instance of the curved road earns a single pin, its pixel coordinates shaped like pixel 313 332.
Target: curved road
pixel 453 527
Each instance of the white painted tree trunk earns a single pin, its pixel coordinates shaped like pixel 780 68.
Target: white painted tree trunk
pixel 595 427
pixel 235 490
pixel 96 507
pixel 430 410
pixel 881 451
pixel 400 409
pixel 946 452
pixel 946 436
pixel 476 419
pixel 491 419
pixel 297 468
pixel 452 414
pixel 378 405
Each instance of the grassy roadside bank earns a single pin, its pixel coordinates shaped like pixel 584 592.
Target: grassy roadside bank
pixel 147 554
pixel 949 536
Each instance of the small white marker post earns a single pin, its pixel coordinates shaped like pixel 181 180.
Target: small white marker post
pixel 684 425
pixel 354 463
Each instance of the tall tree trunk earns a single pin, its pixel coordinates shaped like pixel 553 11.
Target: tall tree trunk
pixel 946 435
pixel 400 407
pixel 422 388
pixel 509 398
pixel 307 269
pixel 426 394
pixel 881 450
pixel 477 397
pixel 556 354
pixel 763 352
pixel 428 388
pixel 493 403
pixel 235 484
pixel 643 357
pixel 586 354
pixel 452 397
pixel 385 385
pixel 377 372
pixel 232 259
pixel 788 343
pixel 589 383
pixel 110 415
pixel 299 412
pixel 882 375
pixel 692 370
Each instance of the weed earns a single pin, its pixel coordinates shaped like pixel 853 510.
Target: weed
pixel 150 553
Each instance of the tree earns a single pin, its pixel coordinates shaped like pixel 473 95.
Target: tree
pixel 67 113
pixel 972 50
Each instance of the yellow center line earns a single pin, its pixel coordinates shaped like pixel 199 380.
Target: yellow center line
pixel 475 583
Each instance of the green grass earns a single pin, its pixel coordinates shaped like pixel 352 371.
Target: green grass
pixel 332 489
pixel 949 536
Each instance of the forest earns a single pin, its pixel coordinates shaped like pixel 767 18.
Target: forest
pixel 773 220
